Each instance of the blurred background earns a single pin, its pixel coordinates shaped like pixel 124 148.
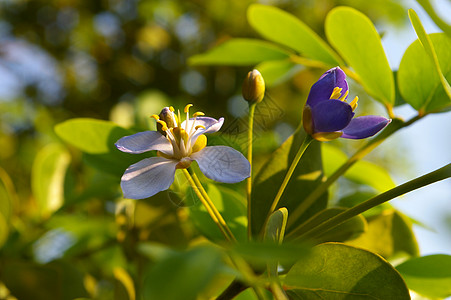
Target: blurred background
pixel 123 60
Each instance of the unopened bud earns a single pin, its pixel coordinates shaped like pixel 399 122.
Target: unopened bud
pixel 254 87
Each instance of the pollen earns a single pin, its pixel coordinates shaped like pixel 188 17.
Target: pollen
pixel 343 98
pixel 186 110
pixel 171 108
pixel 354 103
pixel 336 93
pixel 199 113
pixel 163 124
pixel 156 117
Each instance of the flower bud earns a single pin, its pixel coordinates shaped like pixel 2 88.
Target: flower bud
pixel 167 115
pixel 253 87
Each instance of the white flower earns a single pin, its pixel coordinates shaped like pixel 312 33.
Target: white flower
pixel 178 145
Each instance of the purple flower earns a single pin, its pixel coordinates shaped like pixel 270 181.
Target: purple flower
pixel 177 146
pixel 328 116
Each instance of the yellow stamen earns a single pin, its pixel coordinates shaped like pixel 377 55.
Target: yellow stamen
pixel 199 113
pixel 336 93
pixel 187 108
pixel 200 143
pixel 156 117
pixel 171 108
pixel 354 103
pixel 199 126
pixel 164 127
pixel 343 98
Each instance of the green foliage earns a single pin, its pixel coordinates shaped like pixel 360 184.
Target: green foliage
pixel 283 28
pixel 8 196
pixel 429 276
pixel 354 36
pixel 48 174
pixel 336 271
pixel 306 177
pixel 419 82
pixel 190 272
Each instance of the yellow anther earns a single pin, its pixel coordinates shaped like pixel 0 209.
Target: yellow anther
pixel 171 108
pixel 354 103
pixel 200 143
pixel 164 127
pixel 187 108
pixel 199 126
pixel 343 98
pixel 199 113
pixel 336 93
pixel 156 117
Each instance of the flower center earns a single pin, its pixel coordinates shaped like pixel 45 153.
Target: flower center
pixel 184 140
pixel 336 94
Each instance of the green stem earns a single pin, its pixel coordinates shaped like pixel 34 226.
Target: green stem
pixel 437 175
pixel 249 158
pixel 211 209
pixel 367 148
pixel 308 139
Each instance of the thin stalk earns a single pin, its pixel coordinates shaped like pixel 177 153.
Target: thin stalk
pixel 207 206
pixel 249 158
pixel 363 151
pixel 308 139
pixel 437 175
pixel 215 211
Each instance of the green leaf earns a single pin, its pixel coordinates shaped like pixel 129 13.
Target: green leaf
pixel 240 52
pixel 429 48
pixel 359 197
pixel 277 71
pixel 182 276
pixel 429 276
pixel 8 197
pixel 389 234
pixel 426 4
pixel 121 275
pixel 56 280
pixel 231 206
pixel 419 82
pixel 48 174
pixel 283 28
pixel 275 228
pixel 96 138
pixel 307 175
pixel 350 229
pixel 354 36
pixel 363 172
pixel 262 253
pixel 337 271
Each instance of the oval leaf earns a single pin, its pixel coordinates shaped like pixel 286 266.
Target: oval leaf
pixel 419 82
pixel 240 52
pixel 354 36
pixel 281 27
pixel 337 271
pixel 429 276
pixel 47 178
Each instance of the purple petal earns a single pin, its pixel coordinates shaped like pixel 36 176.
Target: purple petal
pixel 324 87
pixel 148 177
pixel 211 125
pixel 363 127
pixel 331 115
pixel 143 142
pixel 223 164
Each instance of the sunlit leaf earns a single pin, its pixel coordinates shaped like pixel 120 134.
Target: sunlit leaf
pixel 281 27
pixel 306 177
pixel 231 206
pixel 429 48
pixel 363 172
pixel 354 36
pixel 419 82
pixel 96 138
pixel 8 198
pixel 275 228
pixel 182 275
pixel 240 52
pixel 426 4
pixel 337 271
pixel 388 234
pixel 350 229
pixel 429 275
pixel 358 197
pixel 48 173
